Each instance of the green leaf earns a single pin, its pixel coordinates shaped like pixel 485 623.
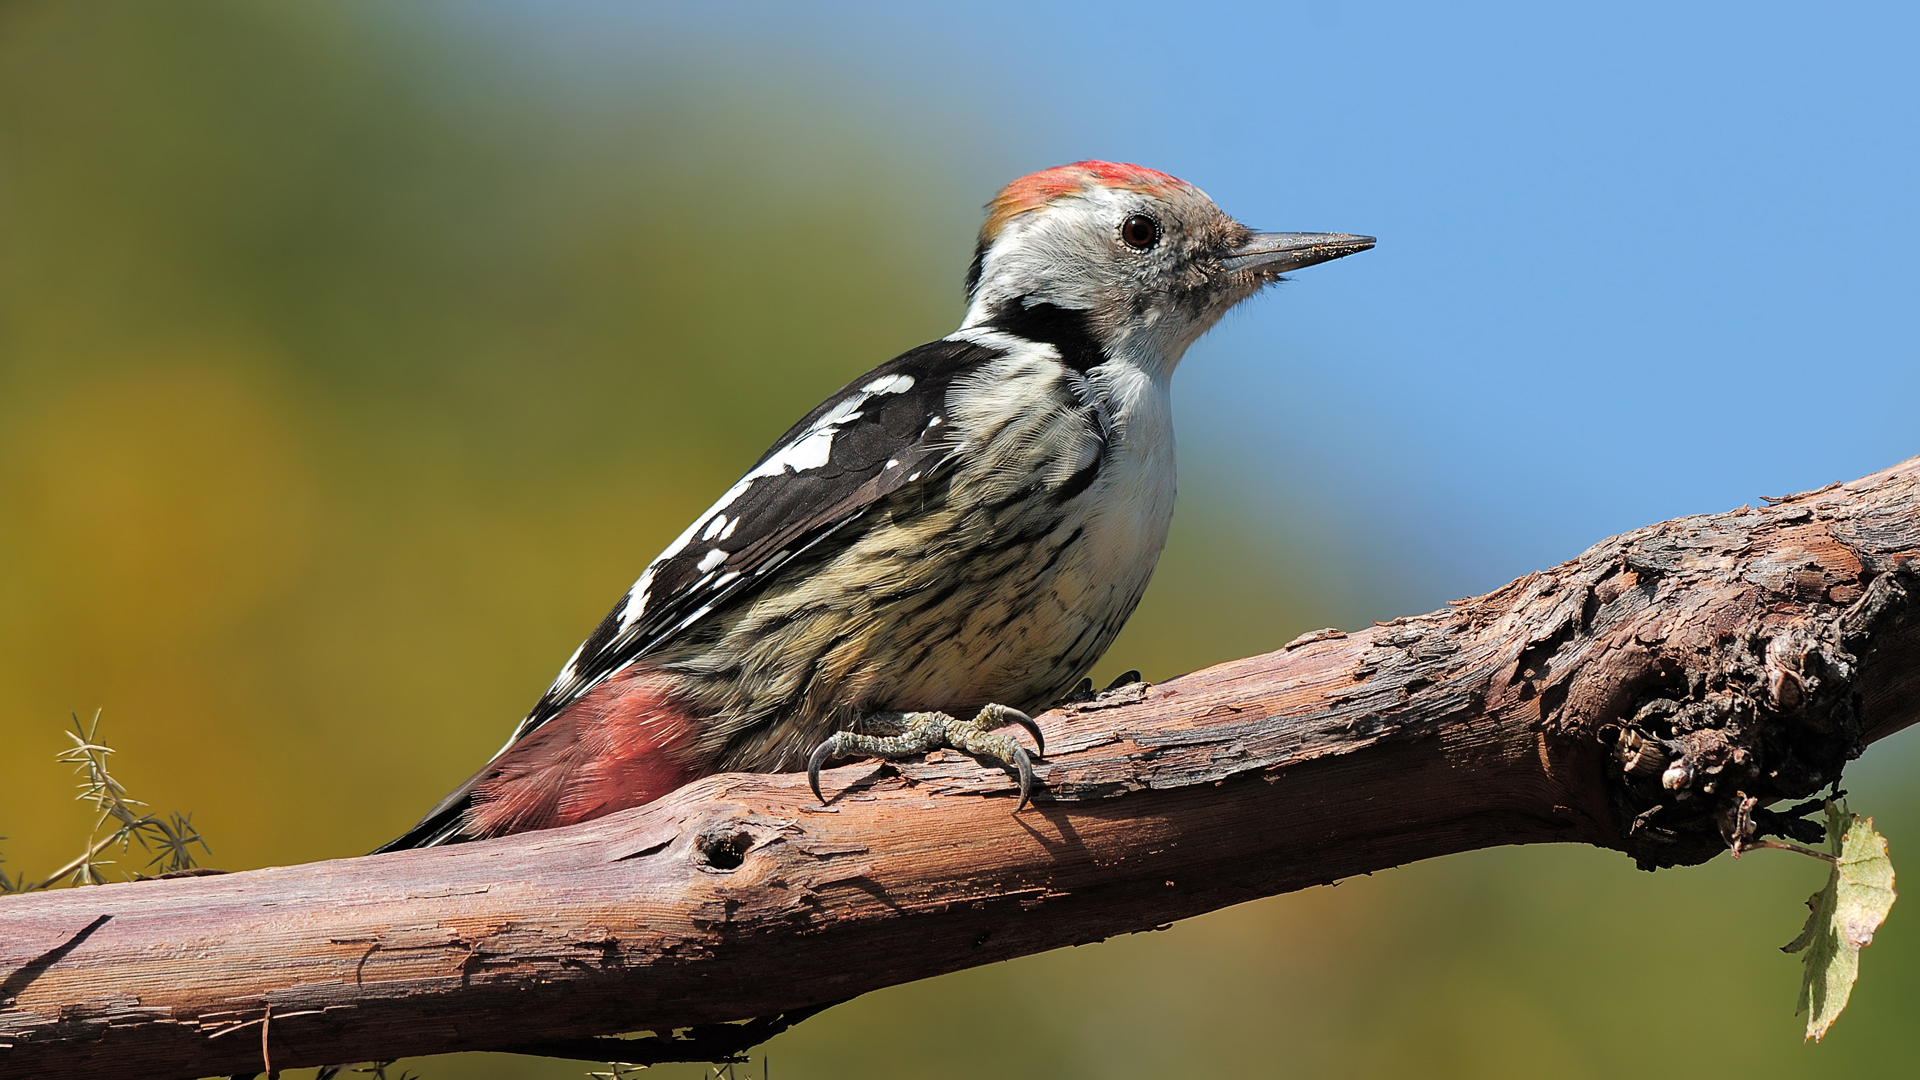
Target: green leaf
pixel 1844 915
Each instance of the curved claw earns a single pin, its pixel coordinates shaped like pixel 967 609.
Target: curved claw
pixel 820 754
pixel 1033 729
pixel 1025 765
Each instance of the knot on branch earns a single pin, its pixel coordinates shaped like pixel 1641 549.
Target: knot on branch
pixel 1749 697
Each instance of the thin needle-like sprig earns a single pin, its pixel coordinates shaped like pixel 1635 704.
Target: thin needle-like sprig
pixel 170 838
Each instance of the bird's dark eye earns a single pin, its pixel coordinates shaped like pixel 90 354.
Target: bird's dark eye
pixel 1140 231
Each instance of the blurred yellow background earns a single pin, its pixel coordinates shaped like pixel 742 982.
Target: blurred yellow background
pixel 348 373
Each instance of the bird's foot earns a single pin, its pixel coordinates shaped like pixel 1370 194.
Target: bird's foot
pixel 919 732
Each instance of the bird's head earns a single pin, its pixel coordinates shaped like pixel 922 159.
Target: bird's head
pixel 1125 259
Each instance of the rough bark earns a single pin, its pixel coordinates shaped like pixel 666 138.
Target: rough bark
pixel 1655 696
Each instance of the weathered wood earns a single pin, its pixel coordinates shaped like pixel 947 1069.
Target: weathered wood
pixel 1654 695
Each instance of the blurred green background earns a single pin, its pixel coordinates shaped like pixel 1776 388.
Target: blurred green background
pixel 354 358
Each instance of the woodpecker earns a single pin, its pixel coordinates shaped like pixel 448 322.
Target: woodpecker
pixel 949 542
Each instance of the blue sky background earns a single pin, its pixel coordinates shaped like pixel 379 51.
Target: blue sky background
pixel 1635 262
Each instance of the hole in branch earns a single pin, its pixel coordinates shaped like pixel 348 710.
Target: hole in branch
pixel 725 852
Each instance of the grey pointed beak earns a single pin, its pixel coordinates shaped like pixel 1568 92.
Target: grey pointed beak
pixel 1279 252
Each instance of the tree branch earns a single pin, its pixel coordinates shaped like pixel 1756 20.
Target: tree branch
pixel 1655 695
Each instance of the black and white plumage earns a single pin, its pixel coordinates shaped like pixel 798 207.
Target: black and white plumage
pixel 964 528
pixel 883 431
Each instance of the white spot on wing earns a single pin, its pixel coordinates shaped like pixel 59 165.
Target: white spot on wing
pixel 637 598
pixel 990 339
pixel 810 450
pixel 890 384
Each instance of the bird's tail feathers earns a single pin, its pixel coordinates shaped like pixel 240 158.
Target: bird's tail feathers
pixel 623 744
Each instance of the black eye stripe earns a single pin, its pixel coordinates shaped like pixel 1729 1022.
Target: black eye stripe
pixel 1139 232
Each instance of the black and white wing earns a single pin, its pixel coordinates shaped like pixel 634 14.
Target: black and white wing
pixel 881 432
